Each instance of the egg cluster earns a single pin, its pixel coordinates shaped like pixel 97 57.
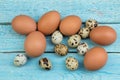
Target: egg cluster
pixel 50 24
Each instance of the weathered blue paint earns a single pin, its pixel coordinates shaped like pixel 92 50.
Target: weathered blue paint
pixel 106 12
pixel 32 71
pixel 15 42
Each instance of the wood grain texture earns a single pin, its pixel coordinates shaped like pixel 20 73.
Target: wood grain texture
pixel 105 11
pixel 32 71
pixel 11 41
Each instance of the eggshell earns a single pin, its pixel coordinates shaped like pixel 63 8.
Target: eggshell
pixel 35 44
pixel 49 22
pixel 23 24
pixel 95 58
pixel 103 35
pixel 70 25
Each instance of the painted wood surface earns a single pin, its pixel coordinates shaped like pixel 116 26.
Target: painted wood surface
pixel 15 42
pixel 106 12
pixel 32 71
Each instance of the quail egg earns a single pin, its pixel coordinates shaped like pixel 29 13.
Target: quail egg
pixel 91 24
pixel 57 37
pixel 20 60
pixel 84 32
pixel 82 48
pixel 61 49
pixel 74 40
pixel 71 63
pixel 45 63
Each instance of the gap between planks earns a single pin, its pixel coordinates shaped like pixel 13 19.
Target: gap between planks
pixel 82 23
pixel 48 52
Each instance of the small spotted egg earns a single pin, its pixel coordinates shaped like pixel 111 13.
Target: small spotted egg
pixel 74 40
pixel 61 49
pixel 82 48
pixel 71 63
pixel 57 37
pixel 20 60
pixel 45 63
pixel 84 32
pixel 91 24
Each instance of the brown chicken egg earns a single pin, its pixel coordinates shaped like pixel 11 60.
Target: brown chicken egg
pixel 23 24
pixel 35 44
pixel 103 35
pixel 70 25
pixel 95 58
pixel 49 22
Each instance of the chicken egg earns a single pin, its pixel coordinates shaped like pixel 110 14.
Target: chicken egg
pixel 103 35
pixel 49 22
pixel 70 25
pixel 23 24
pixel 35 44
pixel 95 58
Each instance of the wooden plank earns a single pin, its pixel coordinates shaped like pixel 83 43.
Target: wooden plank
pixel 11 41
pixel 32 71
pixel 105 11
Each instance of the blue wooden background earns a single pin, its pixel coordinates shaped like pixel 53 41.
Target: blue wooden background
pixel 106 12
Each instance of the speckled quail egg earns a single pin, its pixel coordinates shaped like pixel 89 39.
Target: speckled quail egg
pixel 71 63
pixel 74 40
pixel 91 24
pixel 82 48
pixel 20 60
pixel 61 49
pixel 45 63
pixel 57 37
pixel 84 32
